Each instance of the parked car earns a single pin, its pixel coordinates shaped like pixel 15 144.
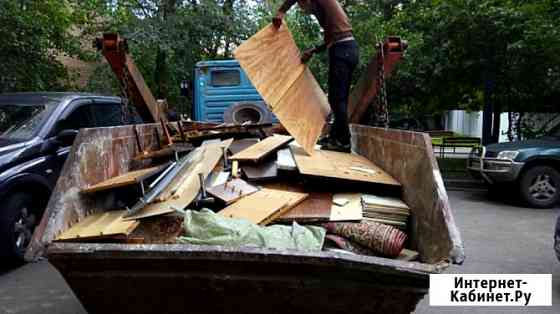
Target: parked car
pixel 533 166
pixel 36 133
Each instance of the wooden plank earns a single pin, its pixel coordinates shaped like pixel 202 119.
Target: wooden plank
pixel 352 210
pixel 264 170
pixel 129 178
pixel 100 225
pixel 338 165
pixel 242 144
pixel 263 206
pixel 262 149
pixel 190 186
pixel 272 61
pixel 231 191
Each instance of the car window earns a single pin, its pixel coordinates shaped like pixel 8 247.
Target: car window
pixel 79 118
pixel 221 78
pixel 107 114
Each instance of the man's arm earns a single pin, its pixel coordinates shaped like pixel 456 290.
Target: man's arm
pixel 277 20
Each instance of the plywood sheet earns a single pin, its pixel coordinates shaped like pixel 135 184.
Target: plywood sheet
pixel 332 164
pixel 262 149
pixel 231 191
pixel 100 225
pixel 129 178
pixel 303 111
pixel 189 188
pixel 263 206
pixel 350 211
pixel 272 62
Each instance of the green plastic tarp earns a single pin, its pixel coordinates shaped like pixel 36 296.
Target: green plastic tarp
pixel 205 227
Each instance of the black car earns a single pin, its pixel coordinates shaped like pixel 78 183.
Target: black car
pixel 36 133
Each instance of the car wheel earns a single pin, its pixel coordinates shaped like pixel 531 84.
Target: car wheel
pixel 540 186
pixel 18 220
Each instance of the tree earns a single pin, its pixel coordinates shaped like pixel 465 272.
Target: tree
pixel 34 33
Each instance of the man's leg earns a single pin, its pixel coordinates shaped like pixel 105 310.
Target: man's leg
pixel 342 61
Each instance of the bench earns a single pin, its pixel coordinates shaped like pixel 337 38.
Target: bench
pixel 457 142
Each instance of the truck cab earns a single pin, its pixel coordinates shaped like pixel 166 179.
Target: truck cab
pixel 224 93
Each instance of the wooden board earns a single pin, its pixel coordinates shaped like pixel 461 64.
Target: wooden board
pixel 315 208
pixel 232 191
pixel 129 178
pixel 187 191
pixel 264 170
pixel 272 62
pixel 263 206
pixel 100 225
pixel 242 144
pixel 350 211
pixel 338 165
pixel 262 149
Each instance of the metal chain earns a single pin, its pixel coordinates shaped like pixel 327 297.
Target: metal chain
pixel 382 116
pixel 124 95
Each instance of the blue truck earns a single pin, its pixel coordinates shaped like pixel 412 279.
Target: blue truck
pixel 224 93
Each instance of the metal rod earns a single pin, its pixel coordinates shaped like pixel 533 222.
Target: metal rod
pixel 181 132
pixel 163 174
pixel 224 152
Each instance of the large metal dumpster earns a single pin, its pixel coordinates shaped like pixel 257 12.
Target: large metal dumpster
pixel 177 278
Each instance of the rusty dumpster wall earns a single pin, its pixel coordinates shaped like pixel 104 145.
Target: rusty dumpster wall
pixel 408 156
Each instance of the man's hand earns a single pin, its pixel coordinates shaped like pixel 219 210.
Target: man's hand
pixel 307 54
pixel 277 20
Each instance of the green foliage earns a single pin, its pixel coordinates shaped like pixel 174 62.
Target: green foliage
pixel 34 34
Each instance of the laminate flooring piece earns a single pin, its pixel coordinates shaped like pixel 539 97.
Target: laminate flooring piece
pixel 241 144
pixel 352 210
pixel 285 160
pixel 315 208
pixel 264 170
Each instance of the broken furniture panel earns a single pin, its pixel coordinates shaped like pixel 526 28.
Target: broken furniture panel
pixel 100 225
pixel 262 149
pixel 231 191
pixel 242 144
pixel 264 170
pixel 263 206
pixel 338 165
pixel 130 178
pixel 189 187
pixel 272 62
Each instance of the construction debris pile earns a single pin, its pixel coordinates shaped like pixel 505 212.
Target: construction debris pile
pixel 249 185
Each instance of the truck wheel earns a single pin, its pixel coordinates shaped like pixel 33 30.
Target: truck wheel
pixel 540 186
pixel 241 112
pixel 18 220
